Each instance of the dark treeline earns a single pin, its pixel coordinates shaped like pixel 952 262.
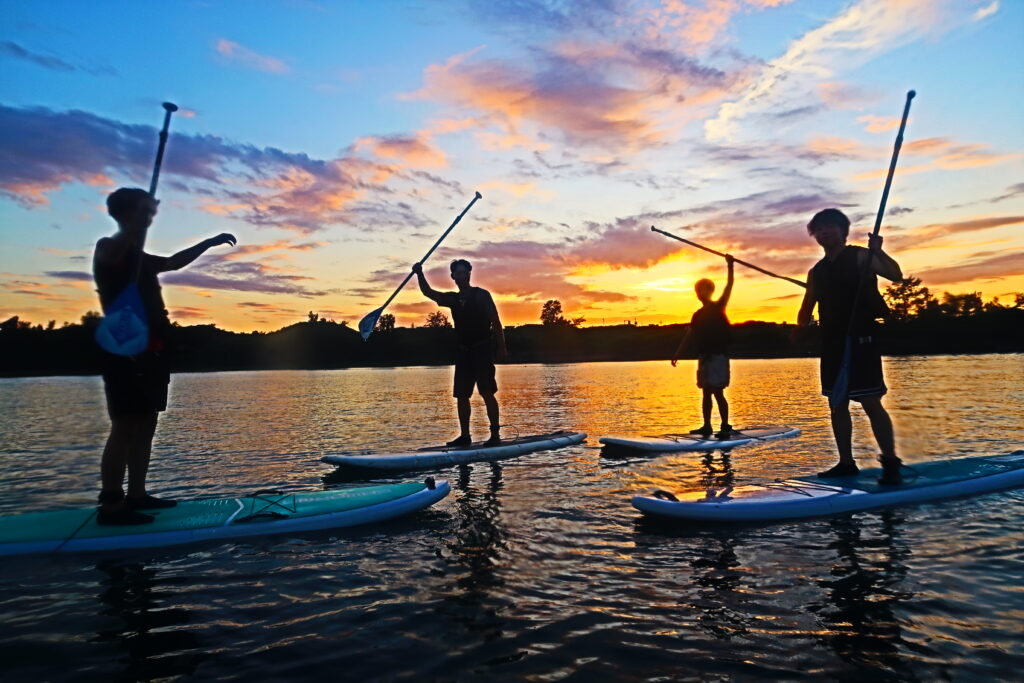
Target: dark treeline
pixel 958 324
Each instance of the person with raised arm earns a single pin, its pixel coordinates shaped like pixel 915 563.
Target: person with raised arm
pixel 709 336
pixel 832 286
pixel 135 386
pixel 477 328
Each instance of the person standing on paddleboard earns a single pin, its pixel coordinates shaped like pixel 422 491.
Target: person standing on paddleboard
pixel 832 285
pixel 477 326
pixel 135 386
pixel 709 336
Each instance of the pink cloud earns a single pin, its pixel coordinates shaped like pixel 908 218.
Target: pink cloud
pixel 250 58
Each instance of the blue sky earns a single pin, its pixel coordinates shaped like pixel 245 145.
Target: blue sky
pixel 336 140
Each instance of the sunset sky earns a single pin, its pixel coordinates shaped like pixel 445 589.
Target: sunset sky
pixel 337 140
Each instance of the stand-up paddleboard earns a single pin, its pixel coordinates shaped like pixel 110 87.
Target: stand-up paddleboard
pixel 260 514
pixel 814 496
pixel 444 456
pixel 666 443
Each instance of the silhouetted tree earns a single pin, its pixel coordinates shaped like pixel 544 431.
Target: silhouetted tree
pixel 91 318
pixel 1018 300
pixel 438 319
pixel 551 314
pixel 386 323
pixel 961 304
pixel 314 317
pixel 908 298
pixel 50 325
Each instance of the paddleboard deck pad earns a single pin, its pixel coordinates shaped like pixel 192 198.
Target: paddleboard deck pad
pixel 445 456
pixel 667 443
pixel 813 496
pixel 265 512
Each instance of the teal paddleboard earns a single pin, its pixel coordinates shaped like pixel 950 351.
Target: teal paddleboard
pixel 201 520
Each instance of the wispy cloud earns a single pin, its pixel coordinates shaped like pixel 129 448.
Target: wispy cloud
pixel 975 268
pixel 16 51
pixel 250 58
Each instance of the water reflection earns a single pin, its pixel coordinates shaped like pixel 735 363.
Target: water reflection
pixel 863 592
pixel 475 549
pixel 149 633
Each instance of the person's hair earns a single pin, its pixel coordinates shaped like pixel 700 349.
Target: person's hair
pixel 830 217
pixel 704 283
pixel 122 202
pixel 461 262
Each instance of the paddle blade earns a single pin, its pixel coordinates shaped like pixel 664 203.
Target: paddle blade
pixel 369 322
pixel 841 387
pixel 123 330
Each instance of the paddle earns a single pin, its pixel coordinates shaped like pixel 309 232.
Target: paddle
pixel 718 253
pixel 124 330
pixel 841 387
pixel 369 321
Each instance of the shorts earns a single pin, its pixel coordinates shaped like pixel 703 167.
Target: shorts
pixel 474 366
pixel 136 385
pixel 713 371
pixel 865 367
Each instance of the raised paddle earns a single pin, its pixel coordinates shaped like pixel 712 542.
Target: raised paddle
pixel 369 321
pixel 124 330
pixel 718 253
pixel 841 386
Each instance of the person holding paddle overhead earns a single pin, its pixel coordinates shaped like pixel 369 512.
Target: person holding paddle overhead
pixel 709 336
pixel 832 286
pixel 477 325
pixel 135 386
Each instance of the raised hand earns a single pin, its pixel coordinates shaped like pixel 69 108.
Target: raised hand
pixel 223 238
pixel 417 268
pixel 875 242
pixel 730 260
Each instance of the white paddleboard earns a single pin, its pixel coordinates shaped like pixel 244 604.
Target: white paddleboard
pixel 667 443
pixel 444 456
pixel 814 497
pixel 263 513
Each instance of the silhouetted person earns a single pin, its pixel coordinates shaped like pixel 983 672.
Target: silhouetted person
pixel 709 336
pixel 476 326
pixel 832 285
pixel 135 386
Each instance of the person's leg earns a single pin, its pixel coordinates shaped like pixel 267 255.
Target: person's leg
pixel 842 430
pixel 881 427
pixel 723 408
pixel 493 417
pixel 114 462
pixel 465 412
pixel 706 409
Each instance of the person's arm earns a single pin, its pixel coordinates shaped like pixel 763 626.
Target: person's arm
pixel 723 300
pixel 883 264
pixel 187 256
pixel 428 292
pixel 804 317
pixel 499 332
pixel 683 343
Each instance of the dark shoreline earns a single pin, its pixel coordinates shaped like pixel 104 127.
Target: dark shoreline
pixel 324 345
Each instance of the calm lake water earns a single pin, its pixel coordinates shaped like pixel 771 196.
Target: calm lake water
pixel 535 568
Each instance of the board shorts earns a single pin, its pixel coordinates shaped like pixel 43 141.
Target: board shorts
pixel 713 371
pixel 474 366
pixel 136 385
pixel 866 378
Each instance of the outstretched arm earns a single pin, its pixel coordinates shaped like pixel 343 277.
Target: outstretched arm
pixel 428 292
pixel 723 300
pixel 881 263
pixel 499 333
pixel 187 256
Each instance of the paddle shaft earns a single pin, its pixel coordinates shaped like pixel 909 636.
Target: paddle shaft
pixel 881 213
pixel 431 250
pixel 169 108
pixel 718 253
pixel 841 386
